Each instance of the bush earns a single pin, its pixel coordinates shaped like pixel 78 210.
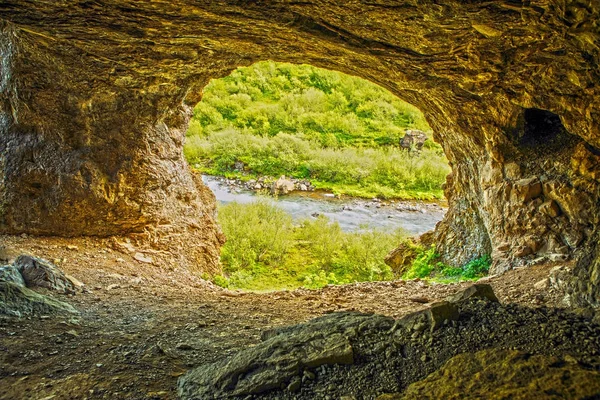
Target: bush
pixel 256 233
pixel 265 251
pixel 478 267
pixel 427 266
pixel 424 264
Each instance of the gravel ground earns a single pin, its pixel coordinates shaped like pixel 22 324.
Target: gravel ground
pixel 141 325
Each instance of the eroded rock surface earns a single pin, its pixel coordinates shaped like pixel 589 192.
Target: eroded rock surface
pixel 95 100
pixel 19 301
pixel 363 356
pixel 506 374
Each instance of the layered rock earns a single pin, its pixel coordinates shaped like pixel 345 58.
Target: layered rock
pixel 95 100
pixel 16 297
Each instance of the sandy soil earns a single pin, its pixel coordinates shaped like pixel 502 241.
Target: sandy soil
pixel 141 325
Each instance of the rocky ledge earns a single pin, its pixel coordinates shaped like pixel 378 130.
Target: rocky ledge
pixel 362 356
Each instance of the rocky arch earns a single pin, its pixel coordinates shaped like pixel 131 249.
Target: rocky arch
pixel 96 97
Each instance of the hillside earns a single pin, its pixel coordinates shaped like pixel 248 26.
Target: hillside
pixel 341 132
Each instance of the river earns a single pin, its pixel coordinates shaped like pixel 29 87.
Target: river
pixel 351 214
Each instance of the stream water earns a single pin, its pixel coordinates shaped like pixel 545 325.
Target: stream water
pixel 352 214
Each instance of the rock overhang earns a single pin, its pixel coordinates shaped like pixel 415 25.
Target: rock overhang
pixel 97 98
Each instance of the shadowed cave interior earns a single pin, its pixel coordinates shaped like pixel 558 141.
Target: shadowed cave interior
pixel 95 99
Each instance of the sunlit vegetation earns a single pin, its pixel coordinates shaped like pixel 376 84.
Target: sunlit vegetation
pixel 427 265
pixel 339 131
pixel 265 250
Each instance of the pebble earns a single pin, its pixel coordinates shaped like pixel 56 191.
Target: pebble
pixel 309 375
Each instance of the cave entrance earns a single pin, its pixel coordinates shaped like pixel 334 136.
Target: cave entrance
pixel 352 168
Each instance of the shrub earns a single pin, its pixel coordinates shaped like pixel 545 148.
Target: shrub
pixel 424 264
pixel 427 266
pixel 258 232
pixel 477 267
pixel 264 251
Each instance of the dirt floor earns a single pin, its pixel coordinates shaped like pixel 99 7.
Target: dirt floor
pixel 142 326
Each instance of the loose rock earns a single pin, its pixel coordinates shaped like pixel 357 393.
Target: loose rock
pixel 38 272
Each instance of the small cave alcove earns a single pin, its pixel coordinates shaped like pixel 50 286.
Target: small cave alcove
pixel 537 128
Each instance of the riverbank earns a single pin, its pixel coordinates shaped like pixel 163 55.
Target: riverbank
pixel 242 179
pixel 352 214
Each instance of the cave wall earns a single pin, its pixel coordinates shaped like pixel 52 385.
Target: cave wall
pixel 96 97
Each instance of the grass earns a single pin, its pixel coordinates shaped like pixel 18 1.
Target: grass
pixel 266 251
pixel 338 131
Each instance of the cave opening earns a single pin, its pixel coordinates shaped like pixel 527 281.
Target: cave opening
pixel 541 126
pixel 103 86
pixel 542 130
pixel 350 171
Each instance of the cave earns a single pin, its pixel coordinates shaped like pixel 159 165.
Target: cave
pixel 96 98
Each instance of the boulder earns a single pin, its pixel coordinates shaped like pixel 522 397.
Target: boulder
pixel 38 272
pixel 282 359
pixel 441 312
pixel 9 273
pixel 282 186
pixel 432 318
pixel 478 290
pixel 413 139
pixel 18 301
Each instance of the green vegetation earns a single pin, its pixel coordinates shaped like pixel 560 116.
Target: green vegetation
pixel 427 266
pixel 339 131
pixel 265 251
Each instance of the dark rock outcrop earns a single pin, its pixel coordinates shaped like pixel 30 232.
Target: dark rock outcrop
pixel 283 359
pixel 363 356
pixel 37 272
pixel 18 301
pixel 95 98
